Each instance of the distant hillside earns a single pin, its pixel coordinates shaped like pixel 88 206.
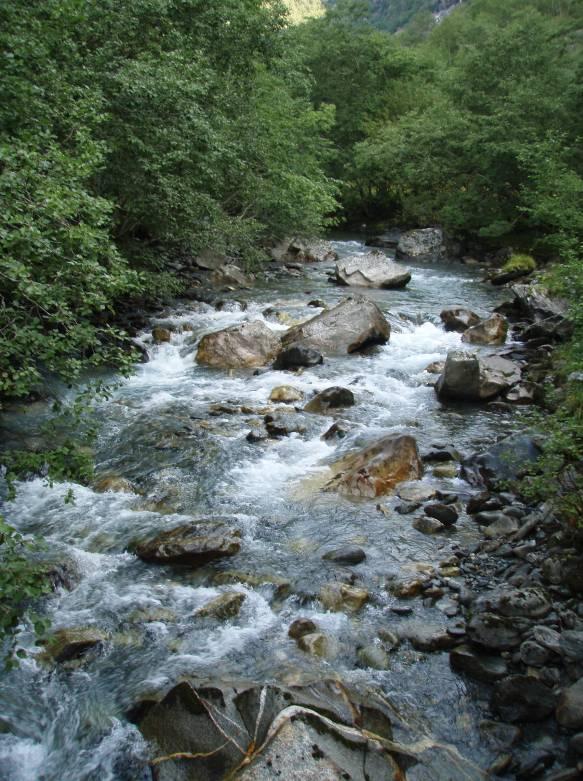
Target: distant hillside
pixel 393 15
pixel 304 9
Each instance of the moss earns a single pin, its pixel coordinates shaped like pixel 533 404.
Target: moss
pixel 524 263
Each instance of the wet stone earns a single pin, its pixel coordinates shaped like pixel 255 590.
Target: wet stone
pixel 348 554
pixel 444 513
pixel 374 656
pixel 336 431
pixel 503 527
pixel 428 637
pixel 339 596
pixel 301 627
pixel 532 654
pixel 191 544
pixel 570 707
pixel 571 645
pixel 499 735
pixel 331 398
pixel 315 643
pixel 67 644
pixel 427 525
pixel 297 356
pixel 523 698
pixel 465 659
pixel 222 607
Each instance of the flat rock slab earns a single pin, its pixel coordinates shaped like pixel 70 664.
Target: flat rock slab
pixel 192 544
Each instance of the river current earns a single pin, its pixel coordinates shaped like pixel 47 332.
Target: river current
pixel 69 723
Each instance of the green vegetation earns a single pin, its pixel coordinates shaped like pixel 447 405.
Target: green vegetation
pixel 519 262
pixel 21 582
pixel 131 133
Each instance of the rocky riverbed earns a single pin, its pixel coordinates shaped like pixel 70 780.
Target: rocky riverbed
pixel 304 554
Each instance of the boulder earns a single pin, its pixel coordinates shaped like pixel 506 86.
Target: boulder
pixel 371 270
pixel 571 645
pixel 492 631
pixel 377 469
pixel 331 398
pixel 535 301
pixel 482 667
pixel 286 394
pixel 340 596
pixel 67 644
pixel 296 357
pixel 309 251
pixel 230 276
pixel 501 527
pixel 458 319
pixel 374 656
pixel 427 525
pixel 428 637
pixel 284 424
pixel 301 627
pixel 224 606
pixel 193 544
pixel 523 698
pixel 244 346
pixel 421 244
pixel 210 259
pixel 468 377
pixel 320 732
pixel 526 602
pixel 161 335
pixel 348 554
pixel 445 513
pixel 315 643
pixel 491 331
pixel 570 706
pixel 505 461
pixel 353 324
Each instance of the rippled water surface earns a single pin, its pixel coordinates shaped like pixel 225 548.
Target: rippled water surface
pixel 157 432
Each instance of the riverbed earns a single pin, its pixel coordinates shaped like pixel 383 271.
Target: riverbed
pixel 189 459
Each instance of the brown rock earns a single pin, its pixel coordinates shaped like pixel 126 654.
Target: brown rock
pixel 458 319
pixel 193 544
pixel 224 606
pixel 490 331
pixel 244 346
pixel 379 468
pixel 160 335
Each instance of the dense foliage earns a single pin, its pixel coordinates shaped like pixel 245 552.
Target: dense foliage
pixel 129 132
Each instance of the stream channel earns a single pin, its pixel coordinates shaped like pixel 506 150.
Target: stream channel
pixel 68 723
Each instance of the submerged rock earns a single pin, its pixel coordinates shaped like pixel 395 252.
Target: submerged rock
pixel 468 377
pixel 224 606
pixel 421 244
pixel 282 424
pixel 286 394
pixel 377 469
pixel 371 270
pixel 491 331
pixel 67 644
pixel 192 544
pixel 458 319
pixel 348 554
pixel 315 643
pixel 352 325
pixel 301 627
pixel 340 596
pixel 331 398
pixel 244 346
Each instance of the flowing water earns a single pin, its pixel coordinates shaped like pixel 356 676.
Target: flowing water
pixel 69 722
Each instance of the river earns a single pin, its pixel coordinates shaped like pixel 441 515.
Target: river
pixel 69 723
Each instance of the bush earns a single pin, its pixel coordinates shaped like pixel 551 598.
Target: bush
pixel 524 263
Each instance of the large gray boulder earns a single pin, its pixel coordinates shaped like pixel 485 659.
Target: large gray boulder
pixel 469 377
pixel 377 469
pixel 534 301
pixel 421 244
pixel 245 346
pixel 371 270
pixel 352 325
pixel 304 250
